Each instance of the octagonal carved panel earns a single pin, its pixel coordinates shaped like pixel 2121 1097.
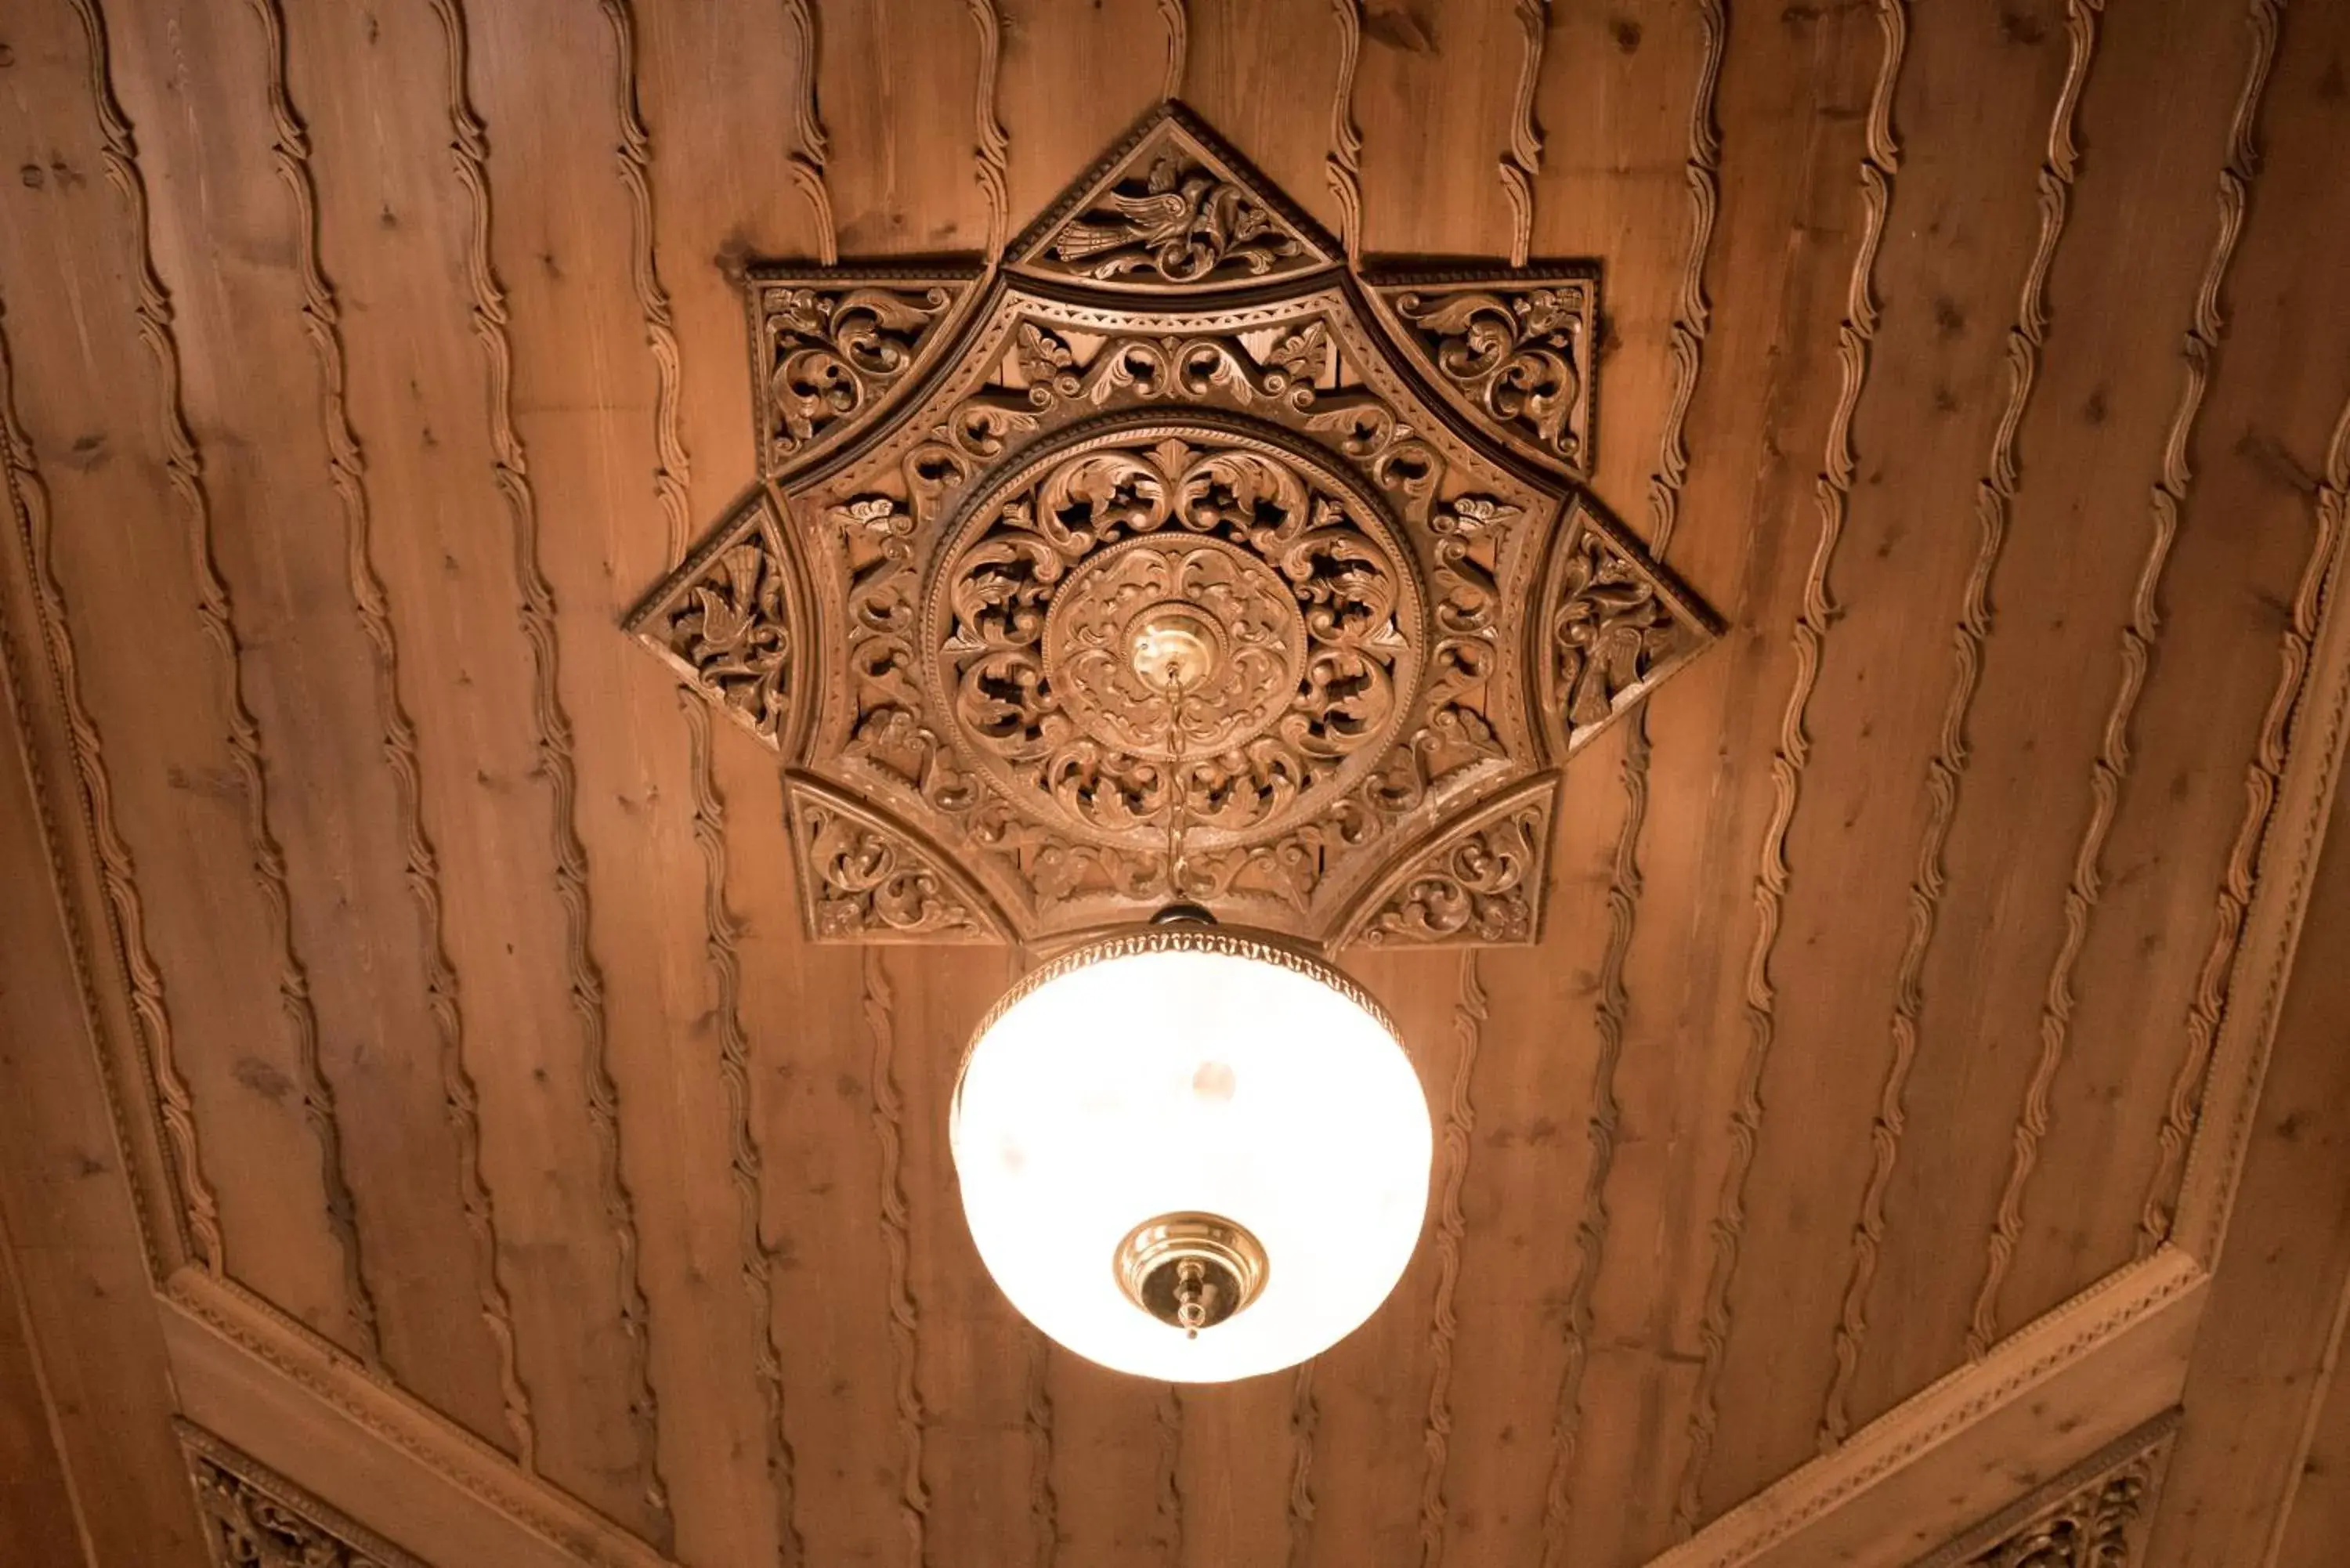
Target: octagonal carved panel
pixel 1170 557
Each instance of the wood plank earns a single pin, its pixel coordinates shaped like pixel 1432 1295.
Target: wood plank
pixel 236 247
pixel 590 409
pixel 131 511
pixel 2278 384
pixel 432 415
pixel 900 81
pixel 1434 95
pixel 1527 1266
pixel 1073 80
pixel 1264 73
pixel 2080 531
pixel 1887 708
pixel 1373 1390
pixel 1790 220
pixel 811 1056
pixel 973 1367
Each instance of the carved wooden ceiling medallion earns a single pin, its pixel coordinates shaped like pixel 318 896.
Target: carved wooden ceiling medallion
pixel 1172 557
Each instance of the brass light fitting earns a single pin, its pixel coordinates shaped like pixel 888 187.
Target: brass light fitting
pixel 1191 1270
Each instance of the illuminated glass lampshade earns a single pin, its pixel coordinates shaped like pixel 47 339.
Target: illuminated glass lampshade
pixel 1191 1152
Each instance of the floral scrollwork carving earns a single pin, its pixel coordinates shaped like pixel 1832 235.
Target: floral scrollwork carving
pixel 1280 575
pixel 867 880
pixel 728 620
pixel 1481 884
pixel 1520 356
pixel 1609 633
pixel 1172 209
pixel 1179 222
pixel 829 354
pixel 731 628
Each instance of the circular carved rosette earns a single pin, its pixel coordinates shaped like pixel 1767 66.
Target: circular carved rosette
pixel 1152 625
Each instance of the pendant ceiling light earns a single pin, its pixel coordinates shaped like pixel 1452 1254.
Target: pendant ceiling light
pixel 1191 1153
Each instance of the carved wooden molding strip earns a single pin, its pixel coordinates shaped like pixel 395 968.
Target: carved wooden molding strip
pixel 2095 1515
pixel 2303 745
pixel 1169 426
pixel 255 1518
pixel 2019 1374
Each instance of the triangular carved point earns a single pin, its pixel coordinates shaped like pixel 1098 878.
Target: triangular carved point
pixel 1613 625
pixel 832 348
pixel 1479 882
pixel 1172 209
pixel 730 618
pixel 1513 348
pixel 865 877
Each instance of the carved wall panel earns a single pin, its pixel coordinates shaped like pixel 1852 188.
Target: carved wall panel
pixel 254 1518
pixel 2095 1515
pixel 1156 565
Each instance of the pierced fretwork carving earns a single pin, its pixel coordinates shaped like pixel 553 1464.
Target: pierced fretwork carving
pixel 2095 1515
pixel 254 1518
pixel 729 620
pixel 1611 629
pixel 865 879
pixel 1480 882
pixel 1169 568
pixel 1172 210
pixel 1514 348
pixel 832 350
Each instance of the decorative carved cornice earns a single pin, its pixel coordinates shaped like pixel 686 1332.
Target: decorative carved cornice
pixel 255 1359
pixel 254 1518
pixel 2117 1344
pixel 986 504
pixel 2095 1515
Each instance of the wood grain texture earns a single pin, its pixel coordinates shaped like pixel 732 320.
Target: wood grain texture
pixel 1971 781
pixel 40 1515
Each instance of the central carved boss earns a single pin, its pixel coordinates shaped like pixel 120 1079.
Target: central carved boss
pixel 1172 556
pixel 1170 628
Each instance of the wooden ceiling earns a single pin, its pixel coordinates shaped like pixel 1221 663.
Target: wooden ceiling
pixel 413 1068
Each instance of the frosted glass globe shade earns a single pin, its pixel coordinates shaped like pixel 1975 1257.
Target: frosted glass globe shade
pixel 1190 1069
